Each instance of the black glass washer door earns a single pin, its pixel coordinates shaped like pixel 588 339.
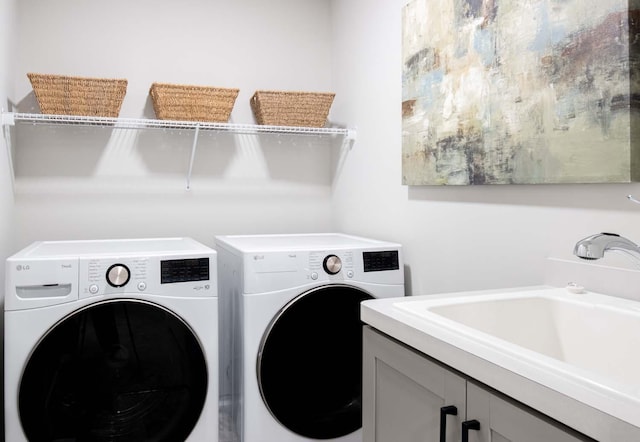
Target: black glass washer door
pixel 310 363
pixel 116 371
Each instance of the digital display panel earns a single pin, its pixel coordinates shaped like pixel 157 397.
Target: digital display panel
pixel 381 261
pixel 184 270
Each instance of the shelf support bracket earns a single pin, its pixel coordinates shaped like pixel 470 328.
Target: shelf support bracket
pixel 347 144
pixel 193 155
pixel 8 121
pixel 349 139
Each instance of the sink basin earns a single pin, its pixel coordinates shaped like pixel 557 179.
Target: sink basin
pixel 593 332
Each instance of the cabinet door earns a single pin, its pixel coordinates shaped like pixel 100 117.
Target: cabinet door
pixel 506 421
pixel 403 393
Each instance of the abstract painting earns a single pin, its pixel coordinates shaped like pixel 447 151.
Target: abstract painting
pixel 520 92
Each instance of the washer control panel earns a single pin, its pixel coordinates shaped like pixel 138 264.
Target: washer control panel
pixel 148 274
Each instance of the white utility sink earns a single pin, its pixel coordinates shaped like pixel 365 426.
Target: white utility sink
pixel 539 345
pixel 593 332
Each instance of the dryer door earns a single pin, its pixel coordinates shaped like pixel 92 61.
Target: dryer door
pixel 310 363
pixel 115 371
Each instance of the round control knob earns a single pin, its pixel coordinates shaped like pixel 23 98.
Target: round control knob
pixel 118 275
pixel 332 264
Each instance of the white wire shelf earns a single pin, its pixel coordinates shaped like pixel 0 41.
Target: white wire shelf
pixel 11 118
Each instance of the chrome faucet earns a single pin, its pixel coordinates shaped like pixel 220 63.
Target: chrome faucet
pixel 595 246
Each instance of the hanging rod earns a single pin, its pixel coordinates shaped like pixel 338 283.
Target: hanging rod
pixel 141 123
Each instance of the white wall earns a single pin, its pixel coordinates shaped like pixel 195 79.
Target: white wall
pixel 455 238
pixel 93 183
pixel 7 15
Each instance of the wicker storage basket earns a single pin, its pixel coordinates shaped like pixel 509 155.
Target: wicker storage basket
pixel 192 103
pixel 281 108
pixel 65 95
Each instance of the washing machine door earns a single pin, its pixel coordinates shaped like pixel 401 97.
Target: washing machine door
pixel 309 364
pixel 115 371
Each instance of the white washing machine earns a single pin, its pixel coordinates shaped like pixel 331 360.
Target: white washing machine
pixel 113 340
pixel 291 367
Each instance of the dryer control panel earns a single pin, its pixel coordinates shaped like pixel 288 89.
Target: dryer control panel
pixel 266 271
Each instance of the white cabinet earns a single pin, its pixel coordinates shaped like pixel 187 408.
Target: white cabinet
pixel 504 420
pixel 407 397
pixel 403 393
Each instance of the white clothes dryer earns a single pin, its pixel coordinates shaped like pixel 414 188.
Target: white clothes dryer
pixel 113 340
pixel 291 363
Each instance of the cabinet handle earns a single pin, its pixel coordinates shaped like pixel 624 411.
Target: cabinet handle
pixel 469 425
pixel 444 411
